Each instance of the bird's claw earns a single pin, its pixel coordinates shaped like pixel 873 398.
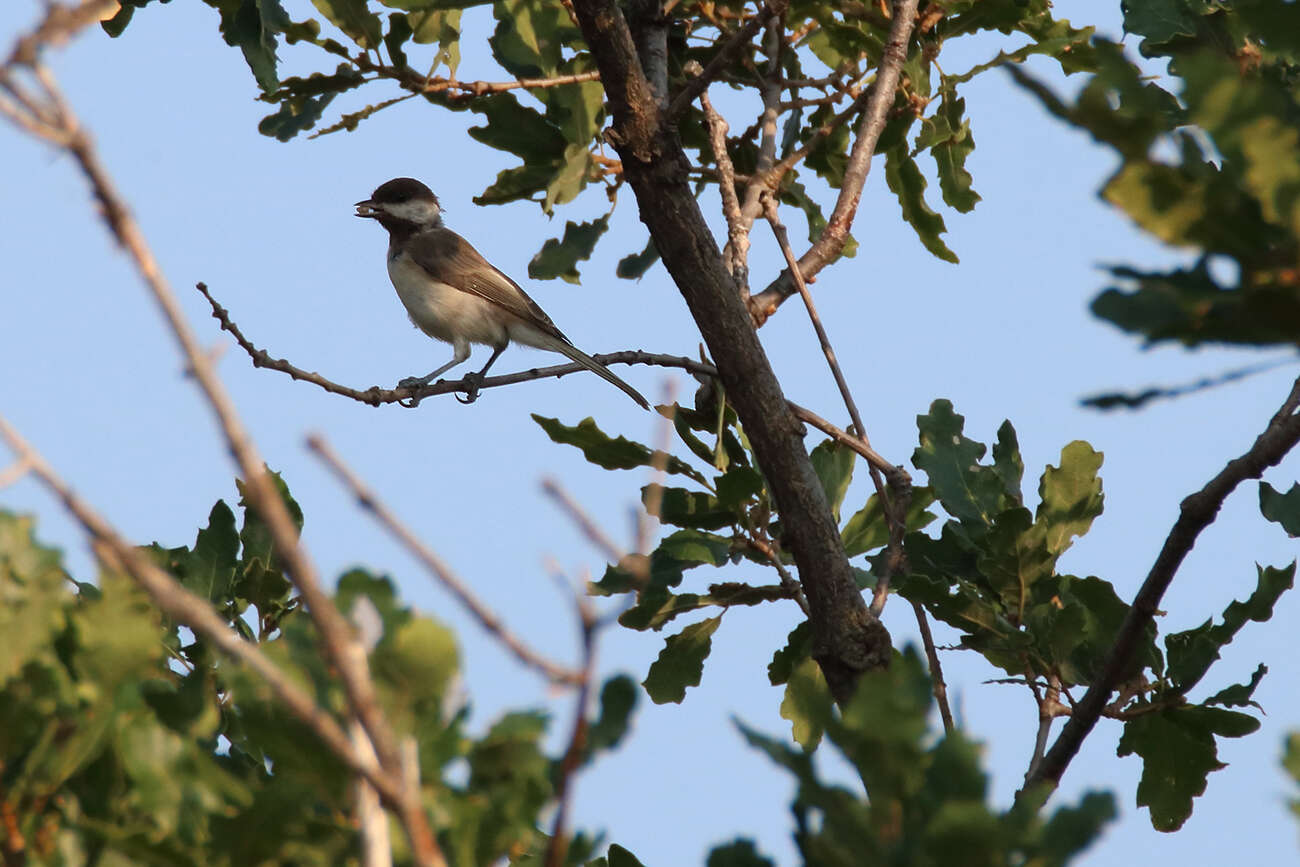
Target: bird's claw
pixel 413 382
pixel 473 381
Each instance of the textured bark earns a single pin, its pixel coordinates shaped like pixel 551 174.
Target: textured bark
pixel 848 639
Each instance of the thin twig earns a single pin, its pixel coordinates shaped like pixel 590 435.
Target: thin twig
pixel 597 536
pixel 891 501
pixel 880 98
pixel 1195 514
pixel 481 88
pixel 736 251
pixel 438 567
pixel 742 37
pixel 193 611
pixel 788 582
pixel 558 847
pixel 937 685
pixel 769 88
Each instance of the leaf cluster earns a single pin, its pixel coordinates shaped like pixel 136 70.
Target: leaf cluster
pixel 1209 162
pixel 125 738
pixel 817 74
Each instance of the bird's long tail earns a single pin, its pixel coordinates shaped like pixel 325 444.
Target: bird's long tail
pixel 596 367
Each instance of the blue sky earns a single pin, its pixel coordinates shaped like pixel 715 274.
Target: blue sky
pixel 96 383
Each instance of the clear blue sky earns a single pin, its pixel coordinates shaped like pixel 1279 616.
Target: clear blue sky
pixel 93 380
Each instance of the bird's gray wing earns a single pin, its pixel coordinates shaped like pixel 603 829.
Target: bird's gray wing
pixel 451 259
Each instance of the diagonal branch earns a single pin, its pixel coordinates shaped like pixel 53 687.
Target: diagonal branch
pixel 1196 513
pixel 737 247
pixel 848 640
pixel 833 238
pixel 438 568
pixel 738 40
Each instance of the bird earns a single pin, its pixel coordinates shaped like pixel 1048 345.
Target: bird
pixel 453 294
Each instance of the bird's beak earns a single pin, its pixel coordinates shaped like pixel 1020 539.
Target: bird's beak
pixel 367 209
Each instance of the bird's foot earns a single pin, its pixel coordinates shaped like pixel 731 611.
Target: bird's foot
pixel 473 382
pixel 412 382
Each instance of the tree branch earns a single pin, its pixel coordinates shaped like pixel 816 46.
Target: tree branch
pixel 742 37
pixel 848 639
pixel 736 250
pixel 1195 514
pixel 438 568
pixel 881 96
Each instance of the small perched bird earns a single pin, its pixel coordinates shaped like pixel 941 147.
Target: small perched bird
pixel 455 295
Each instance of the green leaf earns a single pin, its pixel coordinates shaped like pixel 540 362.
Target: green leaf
pixel 692 509
pixel 608 452
pixel 807 704
pixel 951 146
pixel 834 466
pixel 35 595
pixel 1239 695
pixel 1192 651
pixel 518 129
pixel 1070 496
pixel 559 257
pixel 620 857
pixel 352 17
pixel 739 487
pixel 530 36
pixel 617 701
pixel 908 184
pixel 1178 753
pixel 1291 764
pixel 681 662
pixel 866 530
pixel 570 179
pixel 296 114
pixel 1015 558
pixel 798 647
pixel 441 26
pixel 740 852
pixel 251 26
pixel 634 266
pixel 881 729
pixel 1007 461
pixel 971 493
pixel 1282 509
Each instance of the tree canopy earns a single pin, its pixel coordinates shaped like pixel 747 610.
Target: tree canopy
pixel 213 703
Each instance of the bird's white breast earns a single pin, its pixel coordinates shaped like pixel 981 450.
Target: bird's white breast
pixel 444 312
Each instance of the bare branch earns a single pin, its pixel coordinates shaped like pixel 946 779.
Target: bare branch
pixel 1195 514
pixel 438 567
pixel 738 40
pixel 585 522
pixel 788 583
pixel 736 250
pixel 937 684
pixel 573 753
pixel 835 235
pixel 376 396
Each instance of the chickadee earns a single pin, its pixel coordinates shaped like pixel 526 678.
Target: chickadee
pixel 455 295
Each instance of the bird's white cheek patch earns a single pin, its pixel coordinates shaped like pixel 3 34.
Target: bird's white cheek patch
pixel 419 212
